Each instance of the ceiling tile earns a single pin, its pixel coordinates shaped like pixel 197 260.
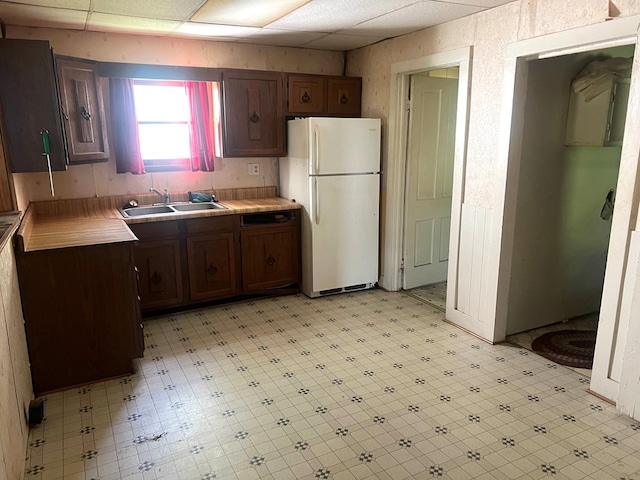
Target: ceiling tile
pixel 104 22
pixel 250 13
pixel 281 38
pixel 480 3
pixel 180 10
pixel 334 15
pixel 336 41
pixel 70 4
pixel 211 30
pixel 47 17
pixel 411 18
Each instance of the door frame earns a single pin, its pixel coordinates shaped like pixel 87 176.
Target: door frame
pixel 594 37
pixel 396 166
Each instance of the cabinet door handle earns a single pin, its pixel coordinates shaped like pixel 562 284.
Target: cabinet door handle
pixel 64 114
pixel 212 269
pixel 305 98
pixel 85 114
pixel 156 278
pixel 271 260
pixel 254 118
pixel 344 99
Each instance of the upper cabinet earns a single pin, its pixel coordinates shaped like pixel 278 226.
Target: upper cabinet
pixel 252 113
pixel 321 95
pixel 30 106
pixel 83 111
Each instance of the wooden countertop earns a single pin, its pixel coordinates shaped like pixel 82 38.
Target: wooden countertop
pixel 44 231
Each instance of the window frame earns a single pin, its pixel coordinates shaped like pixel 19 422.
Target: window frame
pixel 166 164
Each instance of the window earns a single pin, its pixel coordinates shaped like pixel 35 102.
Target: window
pixel 162 110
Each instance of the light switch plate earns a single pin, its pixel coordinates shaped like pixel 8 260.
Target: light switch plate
pixel 254 169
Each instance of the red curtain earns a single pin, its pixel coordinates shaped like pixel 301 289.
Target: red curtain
pixel 203 128
pixel 125 127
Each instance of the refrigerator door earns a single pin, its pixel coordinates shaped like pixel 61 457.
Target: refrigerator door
pixel 344 231
pixel 344 145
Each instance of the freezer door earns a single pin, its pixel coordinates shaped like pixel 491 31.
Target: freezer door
pixel 344 145
pixel 344 229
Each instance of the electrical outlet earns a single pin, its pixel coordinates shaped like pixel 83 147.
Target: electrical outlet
pixel 254 169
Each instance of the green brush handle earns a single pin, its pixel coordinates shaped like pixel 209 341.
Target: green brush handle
pixel 45 141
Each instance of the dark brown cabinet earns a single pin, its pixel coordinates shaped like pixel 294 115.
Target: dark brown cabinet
pixel 30 105
pixel 212 258
pixel 270 251
pixel 157 258
pixel 252 113
pixel 322 95
pixel 81 313
pixel 83 111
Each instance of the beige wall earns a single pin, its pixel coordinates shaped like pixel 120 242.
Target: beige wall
pixel 489 33
pixel 81 181
pixel 15 374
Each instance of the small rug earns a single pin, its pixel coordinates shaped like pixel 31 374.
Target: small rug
pixel 573 348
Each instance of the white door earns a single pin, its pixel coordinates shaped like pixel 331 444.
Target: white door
pixel 430 152
pixel 344 217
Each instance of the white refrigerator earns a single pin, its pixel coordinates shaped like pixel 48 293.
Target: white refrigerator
pixel 333 172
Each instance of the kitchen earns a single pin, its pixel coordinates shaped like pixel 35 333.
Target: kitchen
pixel 486 32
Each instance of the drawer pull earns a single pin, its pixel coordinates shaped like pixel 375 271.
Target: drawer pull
pixel 156 278
pixel 85 114
pixel 305 98
pixel 212 269
pixel 271 260
pixel 254 118
pixel 344 99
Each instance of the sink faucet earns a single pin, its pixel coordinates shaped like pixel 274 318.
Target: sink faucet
pixel 165 198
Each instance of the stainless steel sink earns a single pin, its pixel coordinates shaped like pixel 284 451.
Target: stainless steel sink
pixel 190 207
pixel 171 208
pixel 154 210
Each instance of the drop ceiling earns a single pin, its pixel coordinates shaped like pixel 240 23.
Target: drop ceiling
pixel 322 24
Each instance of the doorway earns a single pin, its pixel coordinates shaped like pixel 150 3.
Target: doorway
pixel 569 168
pixel 432 101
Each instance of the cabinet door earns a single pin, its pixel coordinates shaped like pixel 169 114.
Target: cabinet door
pixel 83 111
pixel 30 104
pixel 159 273
pixel 253 113
pixel 306 95
pixel 344 96
pixel 212 266
pixel 270 257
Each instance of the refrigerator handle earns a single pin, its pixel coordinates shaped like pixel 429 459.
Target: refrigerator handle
pixel 316 160
pixel 316 202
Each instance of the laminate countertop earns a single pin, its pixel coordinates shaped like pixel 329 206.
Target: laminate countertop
pixel 79 227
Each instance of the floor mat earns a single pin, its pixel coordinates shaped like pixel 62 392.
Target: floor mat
pixel 573 348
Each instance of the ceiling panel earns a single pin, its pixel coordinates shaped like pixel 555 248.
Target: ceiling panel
pixel 410 19
pixel 483 3
pixel 250 13
pixel 180 10
pixel 334 15
pixel 281 38
pixel 46 17
pixel 336 41
pixel 104 22
pixel 210 30
pixel 71 4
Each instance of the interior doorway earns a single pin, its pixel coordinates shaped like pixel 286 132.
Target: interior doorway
pixel 432 104
pixel 574 115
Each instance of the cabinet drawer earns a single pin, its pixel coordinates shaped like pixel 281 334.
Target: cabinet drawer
pixel 155 231
pixel 221 224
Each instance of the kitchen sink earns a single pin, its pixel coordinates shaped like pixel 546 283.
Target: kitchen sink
pixel 154 210
pixel 190 207
pixel 171 208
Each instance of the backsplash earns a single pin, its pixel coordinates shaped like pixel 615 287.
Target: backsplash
pixel 101 179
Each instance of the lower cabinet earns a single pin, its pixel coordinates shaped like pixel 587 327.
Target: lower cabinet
pixel 269 257
pixel 184 262
pixel 211 257
pixel 158 261
pixel 82 316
